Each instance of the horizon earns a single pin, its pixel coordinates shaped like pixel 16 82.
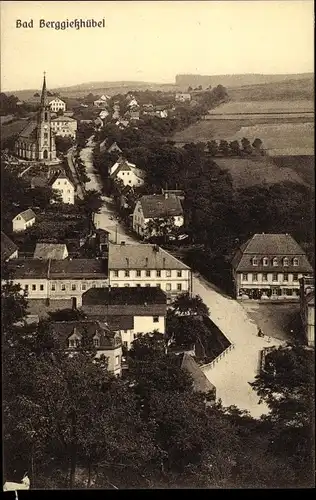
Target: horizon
pixel 151 42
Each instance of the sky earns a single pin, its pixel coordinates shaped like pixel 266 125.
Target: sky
pixel 153 41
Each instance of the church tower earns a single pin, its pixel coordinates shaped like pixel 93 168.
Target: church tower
pixel 46 148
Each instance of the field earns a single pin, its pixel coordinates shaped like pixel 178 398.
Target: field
pixel 288 89
pixel 250 172
pixel 302 165
pixel 268 106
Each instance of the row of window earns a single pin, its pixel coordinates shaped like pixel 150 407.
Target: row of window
pixel 63 287
pixel 158 285
pixel 275 261
pixel 275 276
pixel 148 273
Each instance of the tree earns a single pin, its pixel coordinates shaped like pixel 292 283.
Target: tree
pixel 224 148
pixel 190 89
pixel 91 204
pixel 246 146
pixel 235 148
pixel 186 305
pixel 63 143
pixel 257 145
pixel 212 148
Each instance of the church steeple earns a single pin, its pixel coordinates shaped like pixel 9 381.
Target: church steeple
pixel 44 93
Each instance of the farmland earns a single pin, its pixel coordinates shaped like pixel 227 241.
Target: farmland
pixel 264 107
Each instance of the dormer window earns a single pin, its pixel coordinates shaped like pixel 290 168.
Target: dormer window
pixel 74 341
pixel 96 341
pixel 274 261
pixel 295 261
pixel 265 261
pixel 254 261
pixel 285 261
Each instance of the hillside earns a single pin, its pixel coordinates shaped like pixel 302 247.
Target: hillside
pixel 295 89
pixel 184 81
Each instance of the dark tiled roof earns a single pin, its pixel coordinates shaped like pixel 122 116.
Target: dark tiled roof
pixel 117 323
pixel 54 269
pixel 124 296
pixel 200 381
pixel 7 247
pixel 158 205
pixel 48 251
pixel 27 215
pixel 106 310
pixel 29 132
pixel 143 256
pixel 38 181
pixel 64 329
pixel 29 268
pixel 270 245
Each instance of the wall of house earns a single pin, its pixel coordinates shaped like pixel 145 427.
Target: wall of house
pixel 283 281
pixel 114 357
pixel 145 324
pixel 19 224
pixel 140 222
pixel 66 189
pixel 64 128
pixel 57 104
pixel 311 325
pixel 129 178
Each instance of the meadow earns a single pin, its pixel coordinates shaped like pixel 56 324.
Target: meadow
pixel 264 107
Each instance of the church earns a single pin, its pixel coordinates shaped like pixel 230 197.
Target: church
pixel 36 142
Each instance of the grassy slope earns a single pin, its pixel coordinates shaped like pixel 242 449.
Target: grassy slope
pixel 281 91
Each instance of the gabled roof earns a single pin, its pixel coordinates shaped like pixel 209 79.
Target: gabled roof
pixel 30 131
pixel 46 251
pixel 123 165
pixel 124 296
pixel 143 256
pixel 91 328
pixel 270 246
pixel 59 175
pixel 8 247
pixel 114 146
pixel 159 205
pixel 200 381
pixel 27 215
pixel 57 99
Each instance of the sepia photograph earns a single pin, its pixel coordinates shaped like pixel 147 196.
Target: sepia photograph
pixel 157 245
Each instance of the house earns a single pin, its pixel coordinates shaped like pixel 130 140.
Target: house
pixel 64 186
pixel 64 126
pixel 98 122
pixel 23 220
pixel 97 243
pixel 55 280
pixel 269 266
pixel 156 206
pixel 183 97
pixel 104 114
pixel 116 115
pixel 307 301
pixel 114 148
pixel 127 172
pixel 177 192
pixel 133 103
pixel 57 105
pixel 148 266
pixel 106 342
pixel 200 381
pixel 132 114
pixel 9 250
pixel 130 310
pixel 54 251
pixel 121 124
pixel 102 102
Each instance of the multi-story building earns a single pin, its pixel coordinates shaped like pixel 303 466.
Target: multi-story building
pixel 156 206
pixel 64 186
pixel 148 266
pixel 269 266
pixel 65 126
pixel 50 280
pixel 57 105
pixel 130 310
pixel 106 342
pixel 127 172
pixel 307 296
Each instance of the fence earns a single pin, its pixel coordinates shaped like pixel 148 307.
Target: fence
pixel 218 358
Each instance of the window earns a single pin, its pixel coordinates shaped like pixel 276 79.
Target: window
pixel 53 287
pixel 158 274
pixel 264 277
pixel 73 286
pixel 289 291
pixel 45 135
pixel 96 342
pixel 125 344
pixel 26 287
pixel 147 284
pixel 245 277
pixel 65 183
pixel 71 343
pixel 126 284
pixel 156 319
pixel 295 277
pixel 168 273
pixel 179 274
pixel 117 360
pixel 116 273
pixel 63 287
pixel 254 261
pixel 125 331
pixel 34 287
pixel 275 277
pixel 41 287
pixel 126 274
pixel 115 285
pixel 285 277
pixel 77 342
pixel 255 277
pixel 295 261
pixel 68 190
pixel 285 261
pixel 83 286
pixel 138 273
pixel 148 273
pixel 179 287
pixel 274 261
pixel 168 287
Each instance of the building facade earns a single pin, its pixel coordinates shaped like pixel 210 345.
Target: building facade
pixel 148 266
pixel 64 126
pixel 307 302
pixel 57 105
pixel 127 173
pixel 36 142
pixel 64 187
pixel 156 206
pixel 23 220
pixel 183 97
pixel 269 266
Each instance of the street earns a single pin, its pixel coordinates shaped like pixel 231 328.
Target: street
pixel 232 374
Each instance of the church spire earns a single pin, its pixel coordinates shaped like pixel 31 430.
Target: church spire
pixel 44 92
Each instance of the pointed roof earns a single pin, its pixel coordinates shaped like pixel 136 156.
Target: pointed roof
pixel 44 93
pixel 8 247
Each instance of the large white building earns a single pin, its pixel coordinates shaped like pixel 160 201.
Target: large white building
pixel 64 186
pixel 127 172
pixel 269 266
pixel 148 266
pixel 57 105
pixel 130 310
pixel 64 126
